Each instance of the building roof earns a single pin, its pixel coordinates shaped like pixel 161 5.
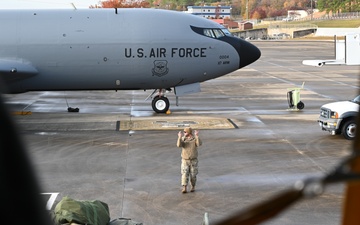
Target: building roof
pixel 209 7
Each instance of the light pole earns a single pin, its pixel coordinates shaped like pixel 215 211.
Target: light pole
pixel 202 5
pixel 247 9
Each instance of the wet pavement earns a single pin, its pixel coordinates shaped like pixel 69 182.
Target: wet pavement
pixel 117 150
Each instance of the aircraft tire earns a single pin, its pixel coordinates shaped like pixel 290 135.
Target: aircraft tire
pixel 160 104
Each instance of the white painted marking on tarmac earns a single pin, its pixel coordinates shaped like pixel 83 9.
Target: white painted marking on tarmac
pixel 262 179
pixel 254 119
pixel 309 74
pixel 51 200
pixel 305 155
pixel 314 75
pixel 220 111
pixel 46 133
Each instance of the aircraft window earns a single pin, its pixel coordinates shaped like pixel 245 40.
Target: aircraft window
pixel 218 33
pixel 226 32
pixel 209 33
pixel 212 32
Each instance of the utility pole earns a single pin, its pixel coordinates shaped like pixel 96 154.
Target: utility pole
pixel 247 9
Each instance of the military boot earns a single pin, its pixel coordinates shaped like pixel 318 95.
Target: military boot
pixel 183 189
pixel 192 188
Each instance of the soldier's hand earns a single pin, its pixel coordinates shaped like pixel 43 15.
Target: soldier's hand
pixel 180 134
pixel 196 132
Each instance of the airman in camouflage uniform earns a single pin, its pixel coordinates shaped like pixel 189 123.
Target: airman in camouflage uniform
pixel 189 157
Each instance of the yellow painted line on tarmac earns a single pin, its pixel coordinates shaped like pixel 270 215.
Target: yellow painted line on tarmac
pixel 22 113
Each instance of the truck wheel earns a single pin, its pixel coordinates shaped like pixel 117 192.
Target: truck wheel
pixel 300 105
pixel 349 129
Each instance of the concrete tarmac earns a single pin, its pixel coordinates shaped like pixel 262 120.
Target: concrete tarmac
pixel 117 150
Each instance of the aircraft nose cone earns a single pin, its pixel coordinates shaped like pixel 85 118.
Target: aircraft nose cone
pixel 248 53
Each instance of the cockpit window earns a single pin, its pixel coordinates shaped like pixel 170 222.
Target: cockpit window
pixel 209 33
pixel 218 33
pixel 212 32
pixel 226 32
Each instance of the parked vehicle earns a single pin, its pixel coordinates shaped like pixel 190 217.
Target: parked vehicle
pixel 281 36
pixel 340 117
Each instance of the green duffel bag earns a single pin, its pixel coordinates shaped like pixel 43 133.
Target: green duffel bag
pixel 124 221
pixel 69 210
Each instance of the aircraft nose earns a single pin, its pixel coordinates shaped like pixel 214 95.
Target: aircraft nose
pixel 248 53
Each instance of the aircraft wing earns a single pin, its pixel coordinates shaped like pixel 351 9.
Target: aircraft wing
pixel 12 69
pixel 320 63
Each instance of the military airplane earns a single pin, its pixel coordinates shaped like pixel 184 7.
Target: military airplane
pixel 116 49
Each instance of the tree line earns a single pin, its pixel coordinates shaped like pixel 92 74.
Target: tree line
pixel 247 9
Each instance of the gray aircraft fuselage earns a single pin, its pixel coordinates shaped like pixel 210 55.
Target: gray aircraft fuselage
pixel 114 49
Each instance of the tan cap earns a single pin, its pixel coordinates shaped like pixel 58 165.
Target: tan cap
pixel 188 130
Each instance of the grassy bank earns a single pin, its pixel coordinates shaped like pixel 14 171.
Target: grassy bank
pixel 344 23
pixel 348 23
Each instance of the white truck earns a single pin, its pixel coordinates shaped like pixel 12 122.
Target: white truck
pixel 340 117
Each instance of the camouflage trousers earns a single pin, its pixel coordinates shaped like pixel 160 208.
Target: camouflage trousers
pixel 189 169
